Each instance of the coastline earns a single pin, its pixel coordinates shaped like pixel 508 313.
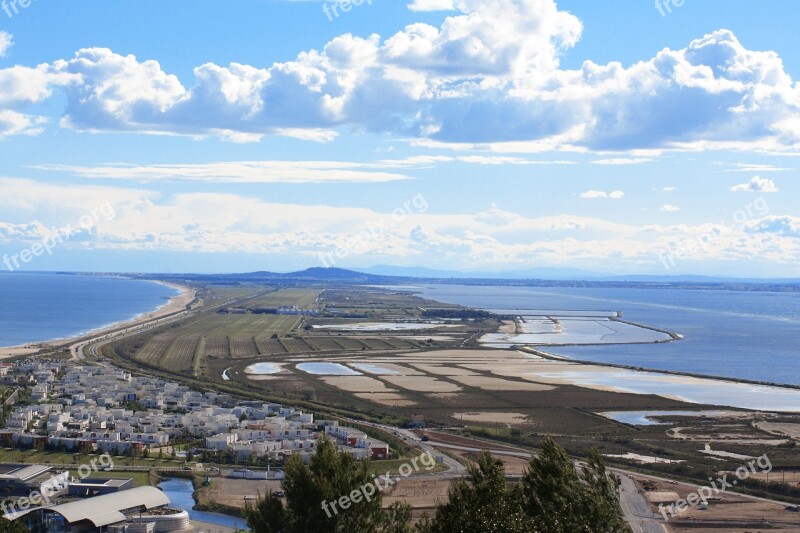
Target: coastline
pixel 175 304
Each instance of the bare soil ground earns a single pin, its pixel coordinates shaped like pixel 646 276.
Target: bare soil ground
pixel 502 418
pixel 732 509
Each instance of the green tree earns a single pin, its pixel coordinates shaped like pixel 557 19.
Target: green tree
pixel 12 527
pixel 325 496
pixel 483 502
pixel 266 516
pixel 551 490
pixel 552 497
pixel 601 499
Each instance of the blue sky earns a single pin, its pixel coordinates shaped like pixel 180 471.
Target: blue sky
pixel 459 134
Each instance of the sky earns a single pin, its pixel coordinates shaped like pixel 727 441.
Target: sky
pixel 626 137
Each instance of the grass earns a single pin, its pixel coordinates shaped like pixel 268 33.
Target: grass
pixel 301 297
pixel 392 466
pixel 140 478
pixel 9 455
pixel 184 346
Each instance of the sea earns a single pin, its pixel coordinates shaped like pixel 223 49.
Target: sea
pixel 38 307
pixel 752 335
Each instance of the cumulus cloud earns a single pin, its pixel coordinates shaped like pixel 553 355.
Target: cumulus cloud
pixel 593 195
pixel 6 41
pixel 669 208
pixel 21 87
pixel 488 75
pixel 757 184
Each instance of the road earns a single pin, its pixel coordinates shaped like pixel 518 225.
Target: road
pixel 454 468
pixel 636 508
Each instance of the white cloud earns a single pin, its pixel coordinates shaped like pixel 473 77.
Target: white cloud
pixel 669 208
pixel 429 160
pixel 669 189
pixel 757 184
pixel 622 161
pixel 432 5
pixel 593 195
pixel 493 238
pixel 6 42
pixel 749 167
pixel 488 76
pixel 13 123
pixel 239 172
pixel 780 225
pixel 21 87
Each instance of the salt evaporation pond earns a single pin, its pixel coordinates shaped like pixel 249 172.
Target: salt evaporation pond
pixel 375 369
pixel 262 369
pixel 384 326
pixel 327 369
pixel 645 418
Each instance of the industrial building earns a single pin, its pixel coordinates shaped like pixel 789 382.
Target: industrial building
pixel 142 509
pixel 21 480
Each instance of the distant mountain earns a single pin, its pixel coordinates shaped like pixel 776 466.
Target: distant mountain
pixel 333 274
pixel 538 277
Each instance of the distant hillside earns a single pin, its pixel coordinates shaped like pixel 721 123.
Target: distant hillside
pixel 318 275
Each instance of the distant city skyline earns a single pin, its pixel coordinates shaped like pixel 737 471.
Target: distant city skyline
pixel 466 135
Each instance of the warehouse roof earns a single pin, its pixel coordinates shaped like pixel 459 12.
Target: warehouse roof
pixel 107 509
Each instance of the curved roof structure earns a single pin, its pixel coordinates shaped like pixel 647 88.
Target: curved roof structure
pixel 107 509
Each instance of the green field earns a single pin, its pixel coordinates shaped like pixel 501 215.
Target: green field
pixel 185 347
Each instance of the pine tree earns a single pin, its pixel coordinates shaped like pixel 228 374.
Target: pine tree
pixel 483 502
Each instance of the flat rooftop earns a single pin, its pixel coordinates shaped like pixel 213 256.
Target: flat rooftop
pixel 97 482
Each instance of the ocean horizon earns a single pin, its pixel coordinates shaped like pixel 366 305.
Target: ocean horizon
pixel 39 307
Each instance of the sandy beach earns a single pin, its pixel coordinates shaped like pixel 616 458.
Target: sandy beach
pixel 174 305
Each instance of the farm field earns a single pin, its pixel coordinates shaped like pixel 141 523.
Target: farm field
pixel 250 328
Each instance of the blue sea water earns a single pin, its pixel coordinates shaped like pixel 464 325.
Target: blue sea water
pixel 737 334
pixel 40 307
